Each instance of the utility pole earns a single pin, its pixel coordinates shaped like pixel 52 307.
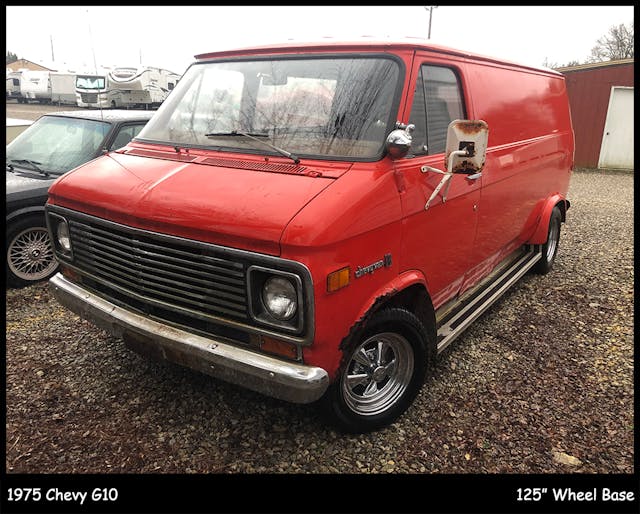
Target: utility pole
pixel 430 9
pixel 51 39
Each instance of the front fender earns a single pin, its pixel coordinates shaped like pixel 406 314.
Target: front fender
pixel 391 288
pixel 540 234
pixel 38 209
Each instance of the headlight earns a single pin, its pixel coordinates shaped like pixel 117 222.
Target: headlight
pixel 64 240
pixel 277 299
pixel 280 298
pixel 60 236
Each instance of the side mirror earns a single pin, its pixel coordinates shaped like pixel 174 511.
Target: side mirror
pixel 398 142
pixel 466 146
pixel 465 153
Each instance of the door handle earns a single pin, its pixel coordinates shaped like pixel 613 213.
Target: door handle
pixel 475 176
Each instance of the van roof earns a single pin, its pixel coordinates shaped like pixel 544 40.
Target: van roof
pixel 368 44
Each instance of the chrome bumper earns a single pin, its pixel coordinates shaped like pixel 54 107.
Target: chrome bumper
pixel 288 381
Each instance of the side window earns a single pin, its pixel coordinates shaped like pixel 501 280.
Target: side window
pixel 437 102
pixel 419 118
pixel 125 134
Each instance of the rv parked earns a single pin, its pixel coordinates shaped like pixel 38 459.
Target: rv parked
pixel 13 86
pixel 63 87
pixel 36 85
pixel 125 87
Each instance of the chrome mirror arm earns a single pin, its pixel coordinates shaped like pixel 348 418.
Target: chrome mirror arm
pixel 446 179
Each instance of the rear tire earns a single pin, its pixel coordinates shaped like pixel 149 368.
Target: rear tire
pixel 550 248
pixel 381 374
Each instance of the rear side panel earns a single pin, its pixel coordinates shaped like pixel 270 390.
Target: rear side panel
pixel 529 159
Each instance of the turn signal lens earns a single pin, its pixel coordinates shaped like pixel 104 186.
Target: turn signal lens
pixel 338 279
pixel 278 347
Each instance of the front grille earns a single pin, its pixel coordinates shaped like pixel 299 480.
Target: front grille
pixel 199 287
pixel 89 98
pixel 160 275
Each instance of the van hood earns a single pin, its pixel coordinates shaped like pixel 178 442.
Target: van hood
pixel 238 205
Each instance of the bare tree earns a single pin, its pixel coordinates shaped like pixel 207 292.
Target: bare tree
pixel 616 44
pixel 554 65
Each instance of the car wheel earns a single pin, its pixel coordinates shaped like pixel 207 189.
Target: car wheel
pixel 381 374
pixel 550 248
pixel 30 255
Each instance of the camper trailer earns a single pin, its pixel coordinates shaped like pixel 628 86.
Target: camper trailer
pixel 141 86
pixel 63 87
pixel 36 85
pixel 13 85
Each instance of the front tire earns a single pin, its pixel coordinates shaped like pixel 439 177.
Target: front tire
pixel 29 253
pixel 381 374
pixel 550 248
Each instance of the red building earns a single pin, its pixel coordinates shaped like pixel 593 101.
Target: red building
pixel 601 99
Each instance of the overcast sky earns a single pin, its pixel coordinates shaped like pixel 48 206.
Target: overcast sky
pixel 169 37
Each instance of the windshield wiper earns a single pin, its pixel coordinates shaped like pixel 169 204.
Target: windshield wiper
pixel 33 165
pixel 255 137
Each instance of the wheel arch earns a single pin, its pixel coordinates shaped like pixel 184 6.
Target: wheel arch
pixel 540 234
pixel 409 291
pixel 25 211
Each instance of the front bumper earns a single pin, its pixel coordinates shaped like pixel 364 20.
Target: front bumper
pixel 288 381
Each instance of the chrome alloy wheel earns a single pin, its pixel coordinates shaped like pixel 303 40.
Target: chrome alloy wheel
pixel 552 242
pixel 378 374
pixel 30 254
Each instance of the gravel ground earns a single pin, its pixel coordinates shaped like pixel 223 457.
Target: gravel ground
pixel 541 383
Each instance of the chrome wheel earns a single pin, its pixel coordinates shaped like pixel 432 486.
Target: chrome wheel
pixel 552 242
pixel 378 374
pixel 549 249
pixel 30 255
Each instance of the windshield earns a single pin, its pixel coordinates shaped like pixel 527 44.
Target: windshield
pixel 58 144
pixel 90 82
pixel 323 107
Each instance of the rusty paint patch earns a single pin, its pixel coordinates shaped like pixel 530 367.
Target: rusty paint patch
pixel 351 338
pixel 466 167
pixel 470 127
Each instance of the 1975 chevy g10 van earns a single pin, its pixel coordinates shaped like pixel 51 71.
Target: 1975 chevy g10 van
pixel 320 221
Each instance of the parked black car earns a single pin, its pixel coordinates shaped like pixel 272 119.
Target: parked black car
pixel 53 145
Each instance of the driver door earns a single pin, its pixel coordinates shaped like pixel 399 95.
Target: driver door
pixel 438 240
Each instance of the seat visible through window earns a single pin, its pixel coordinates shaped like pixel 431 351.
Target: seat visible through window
pixel 438 119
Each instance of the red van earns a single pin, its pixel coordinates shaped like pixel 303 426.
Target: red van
pixel 318 222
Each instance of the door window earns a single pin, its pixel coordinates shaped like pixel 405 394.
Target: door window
pixel 125 134
pixel 437 101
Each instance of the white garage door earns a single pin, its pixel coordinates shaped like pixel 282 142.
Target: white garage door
pixel 617 142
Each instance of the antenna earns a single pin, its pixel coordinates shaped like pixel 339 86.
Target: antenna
pixel 95 66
